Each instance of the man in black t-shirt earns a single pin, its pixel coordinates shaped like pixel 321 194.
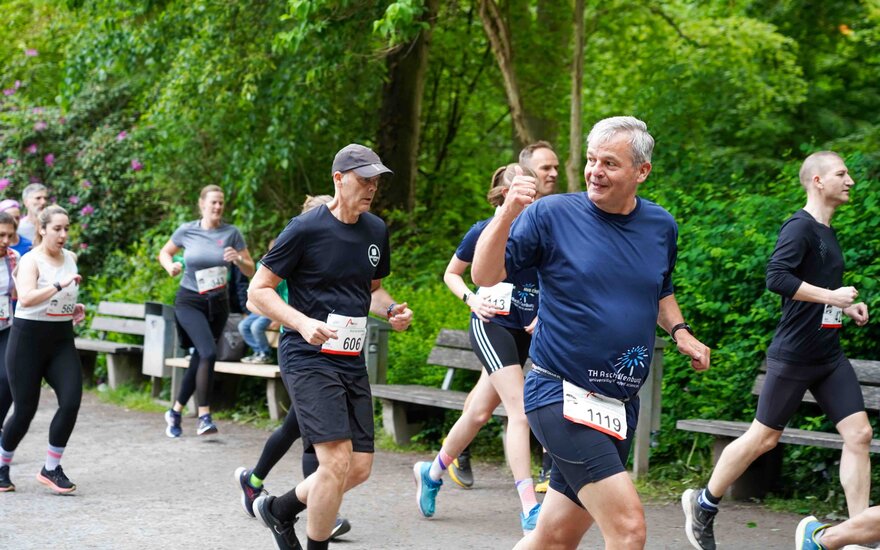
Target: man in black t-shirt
pixel 806 269
pixel 333 258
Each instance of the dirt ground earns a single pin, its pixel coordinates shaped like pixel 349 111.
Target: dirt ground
pixel 137 489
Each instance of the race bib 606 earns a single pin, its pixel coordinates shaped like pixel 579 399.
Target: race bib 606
pixel 351 334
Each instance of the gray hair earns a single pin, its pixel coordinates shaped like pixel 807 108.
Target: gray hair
pixel 31 189
pixel 641 142
pixel 815 164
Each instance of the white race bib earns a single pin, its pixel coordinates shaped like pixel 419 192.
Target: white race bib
pixel 5 308
pixel 596 411
pixel 832 317
pixel 211 278
pixel 62 304
pixel 499 296
pixel 351 333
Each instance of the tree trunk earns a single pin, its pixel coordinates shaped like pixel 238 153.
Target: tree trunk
pixel 575 154
pixel 400 116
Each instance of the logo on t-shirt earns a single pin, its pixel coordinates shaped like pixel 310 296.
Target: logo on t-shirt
pixel 373 253
pixel 631 359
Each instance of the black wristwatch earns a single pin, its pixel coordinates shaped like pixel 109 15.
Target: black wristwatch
pixel 57 286
pixel 678 327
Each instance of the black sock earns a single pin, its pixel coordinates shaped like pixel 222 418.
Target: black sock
pixel 708 501
pixel 318 544
pixel 287 506
pixel 546 462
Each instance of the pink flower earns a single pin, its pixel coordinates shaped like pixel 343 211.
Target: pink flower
pixel 136 165
pixel 86 184
pixel 83 246
pixel 73 200
pixel 84 226
pixel 8 91
pixel 37 110
pixel 49 159
pixel 30 52
pixel 31 149
pixel 40 125
pixel 87 210
pixel 17 84
pixel 11 161
pixel 4 183
pixel 121 135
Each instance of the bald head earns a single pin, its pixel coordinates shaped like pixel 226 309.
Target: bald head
pixel 817 164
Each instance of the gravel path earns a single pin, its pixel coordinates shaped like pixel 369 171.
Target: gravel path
pixel 138 489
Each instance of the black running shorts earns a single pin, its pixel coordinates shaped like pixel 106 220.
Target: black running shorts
pixel 332 406
pixel 498 346
pixel 834 385
pixel 581 455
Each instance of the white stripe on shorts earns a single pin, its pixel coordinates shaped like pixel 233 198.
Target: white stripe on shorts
pixel 485 346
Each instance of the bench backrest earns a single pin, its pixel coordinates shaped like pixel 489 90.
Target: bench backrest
pixel 867 372
pixel 452 349
pixel 128 318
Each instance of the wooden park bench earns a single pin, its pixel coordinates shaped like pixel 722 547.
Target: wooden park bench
pixel 764 472
pixel 123 359
pixel 404 406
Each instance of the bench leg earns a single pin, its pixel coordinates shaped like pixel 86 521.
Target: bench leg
pixel 123 368
pixel 759 479
pixel 277 398
pixel 394 420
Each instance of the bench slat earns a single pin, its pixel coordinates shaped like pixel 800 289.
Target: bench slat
pixel 421 395
pixel 448 338
pixel 867 371
pixel 122 309
pixel 732 429
pixel 871 394
pixel 227 367
pixel 115 324
pixel 455 358
pixel 103 346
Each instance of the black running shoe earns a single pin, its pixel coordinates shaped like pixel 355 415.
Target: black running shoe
pixel 56 480
pixel 699 523
pixel 282 531
pixel 342 527
pixel 249 493
pixel 6 485
pixel 461 473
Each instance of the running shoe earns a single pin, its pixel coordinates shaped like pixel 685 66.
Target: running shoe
pixel 461 473
pixel 805 536
pixel 206 425
pixel 543 481
pixel 249 493
pixel 6 485
pixel 172 418
pixel 426 488
pixel 56 480
pixel 249 358
pixel 262 359
pixel 529 521
pixel 699 523
pixel 282 531
pixel 342 527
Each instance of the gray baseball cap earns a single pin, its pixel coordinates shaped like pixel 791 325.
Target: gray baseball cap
pixel 362 160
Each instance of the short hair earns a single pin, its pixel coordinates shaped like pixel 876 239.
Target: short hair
pixel 7 219
pixel 526 154
pixel 44 217
pixel 502 179
pixel 641 143
pixel 313 202
pixel 814 164
pixel 210 189
pixel 31 189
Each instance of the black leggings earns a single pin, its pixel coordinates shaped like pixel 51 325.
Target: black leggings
pixel 38 350
pixel 5 392
pixel 279 443
pixel 201 318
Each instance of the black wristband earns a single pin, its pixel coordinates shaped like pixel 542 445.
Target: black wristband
pixel 678 327
pixel 466 296
pixel 57 286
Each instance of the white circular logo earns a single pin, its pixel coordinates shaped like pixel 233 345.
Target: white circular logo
pixel 373 253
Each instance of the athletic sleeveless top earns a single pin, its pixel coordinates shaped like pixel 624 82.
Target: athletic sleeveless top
pixel 60 306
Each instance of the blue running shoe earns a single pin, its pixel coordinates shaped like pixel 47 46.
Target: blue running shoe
pixel 173 420
pixel 426 488
pixel 529 521
pixel 206 425
pixel 805 536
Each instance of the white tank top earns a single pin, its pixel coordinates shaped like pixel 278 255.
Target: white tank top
pixel 60 306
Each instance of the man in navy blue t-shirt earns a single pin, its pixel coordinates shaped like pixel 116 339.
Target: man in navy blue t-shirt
pixel 333 259
pixel 605 260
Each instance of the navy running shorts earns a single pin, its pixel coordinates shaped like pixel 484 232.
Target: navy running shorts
pixel 498 346
pixel 581 455
pixel 332 406
pixel 834 385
